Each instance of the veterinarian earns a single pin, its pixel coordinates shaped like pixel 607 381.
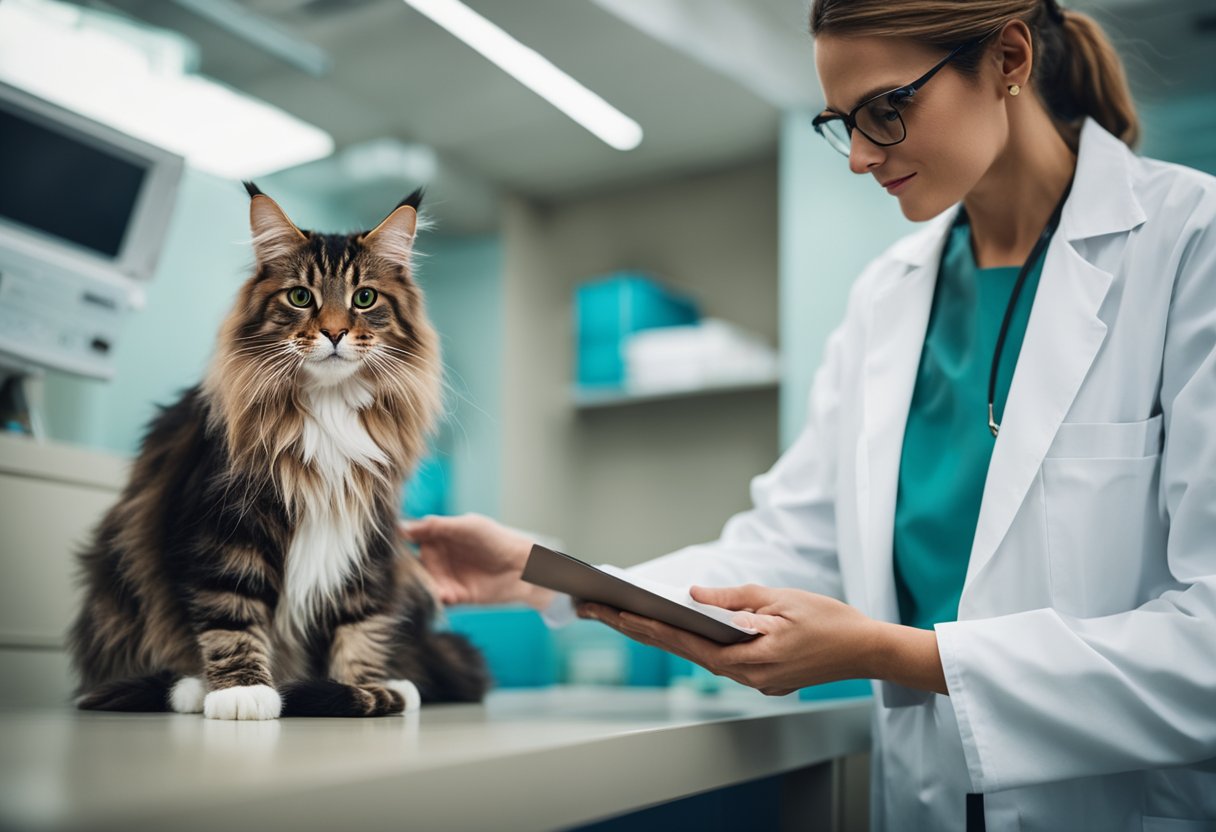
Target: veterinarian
pixel 1002 507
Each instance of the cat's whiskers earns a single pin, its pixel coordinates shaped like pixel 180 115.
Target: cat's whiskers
pixel 267 381
pixel 389 381
pixel 405 373
pixel 263 374
pixel 406 393
pixel 447 385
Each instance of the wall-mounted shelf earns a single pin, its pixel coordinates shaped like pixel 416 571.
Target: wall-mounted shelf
pixel 591 398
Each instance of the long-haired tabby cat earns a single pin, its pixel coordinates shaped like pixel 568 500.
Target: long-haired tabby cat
pixel 251 567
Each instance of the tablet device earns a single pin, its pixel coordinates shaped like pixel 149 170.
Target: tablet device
pixel 561 572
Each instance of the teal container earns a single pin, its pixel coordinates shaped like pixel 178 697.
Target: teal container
pixel 517 644
pixel 846 689
pixel 607 310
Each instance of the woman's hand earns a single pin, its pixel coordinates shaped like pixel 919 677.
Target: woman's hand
pixel 805 639
pixel 473 560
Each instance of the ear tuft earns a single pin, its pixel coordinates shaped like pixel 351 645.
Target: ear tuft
pixel 393 239
pixel 274 235
pixel 414 200
pixel 252 189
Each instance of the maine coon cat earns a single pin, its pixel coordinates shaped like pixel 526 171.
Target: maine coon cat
pixel 251 566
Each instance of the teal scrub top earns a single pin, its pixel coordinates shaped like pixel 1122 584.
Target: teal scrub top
pixel 947 444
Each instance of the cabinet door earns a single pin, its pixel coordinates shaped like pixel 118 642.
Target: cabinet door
pixel 42 525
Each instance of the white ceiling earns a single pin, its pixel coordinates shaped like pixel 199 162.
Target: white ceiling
pixel 395 73
pixel 706 79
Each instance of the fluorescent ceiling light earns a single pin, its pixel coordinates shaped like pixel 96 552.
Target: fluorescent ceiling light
pixel 136 79
pixel 535 72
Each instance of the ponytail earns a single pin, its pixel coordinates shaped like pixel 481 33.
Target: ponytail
pixel 1077 72
pixel 1094 78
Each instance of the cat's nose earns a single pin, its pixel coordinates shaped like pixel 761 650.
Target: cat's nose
pixel 332 337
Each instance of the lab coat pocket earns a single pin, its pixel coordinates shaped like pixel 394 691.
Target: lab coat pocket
pixel 1100 484
pixel 1107 440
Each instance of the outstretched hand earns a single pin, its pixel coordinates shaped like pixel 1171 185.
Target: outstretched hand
pixel 471 559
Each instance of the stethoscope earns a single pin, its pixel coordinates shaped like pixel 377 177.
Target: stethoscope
pixel 1035 253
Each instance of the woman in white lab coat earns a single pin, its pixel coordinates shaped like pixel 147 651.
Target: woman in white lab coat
pixel 1003 505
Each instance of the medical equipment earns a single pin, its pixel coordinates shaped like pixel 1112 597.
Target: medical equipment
pixel 1040 247
pixel 83 214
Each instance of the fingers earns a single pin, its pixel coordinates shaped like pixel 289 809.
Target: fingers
pixel 757 621
pixel 446 591
pixel 614 619
pixel 599 612
pixel 411 530
pixel 749 597
pixel 449 592
pixel 420 530
pixel 445 584
pixel 747 663
pixel 648 631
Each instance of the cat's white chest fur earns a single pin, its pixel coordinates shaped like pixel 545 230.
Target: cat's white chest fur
pixel 329 535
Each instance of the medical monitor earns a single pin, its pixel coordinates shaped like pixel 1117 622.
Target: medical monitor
pixel 84 210
pixel 79 191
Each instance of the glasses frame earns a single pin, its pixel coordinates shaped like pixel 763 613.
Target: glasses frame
pixel 907 90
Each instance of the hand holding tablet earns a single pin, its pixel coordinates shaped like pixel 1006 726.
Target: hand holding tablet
pixel 616 588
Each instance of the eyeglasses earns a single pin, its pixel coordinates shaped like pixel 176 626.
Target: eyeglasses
pixel 880 118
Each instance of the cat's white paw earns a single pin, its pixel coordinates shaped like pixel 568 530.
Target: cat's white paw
pixel 409 691
pixel 187 695
pixel 245 702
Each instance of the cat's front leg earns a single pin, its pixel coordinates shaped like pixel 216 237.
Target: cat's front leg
pixel 360 655
pixel 233 632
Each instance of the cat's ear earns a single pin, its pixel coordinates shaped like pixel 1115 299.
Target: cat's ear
pixel 273 234
pixel 393 239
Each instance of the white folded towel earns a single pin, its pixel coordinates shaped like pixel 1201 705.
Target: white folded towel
pixel 710 353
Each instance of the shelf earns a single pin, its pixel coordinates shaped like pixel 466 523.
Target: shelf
pixel 592 398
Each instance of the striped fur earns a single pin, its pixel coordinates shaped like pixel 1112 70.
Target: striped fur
pixel 253 556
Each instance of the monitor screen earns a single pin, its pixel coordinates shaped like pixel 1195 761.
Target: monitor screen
pixel 54 183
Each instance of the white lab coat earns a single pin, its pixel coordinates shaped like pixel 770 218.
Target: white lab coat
pixel 1082 667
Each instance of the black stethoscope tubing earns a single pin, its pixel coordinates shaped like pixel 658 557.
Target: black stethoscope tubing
pixel 1035 253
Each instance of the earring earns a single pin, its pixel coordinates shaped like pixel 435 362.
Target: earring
pixel 1014 89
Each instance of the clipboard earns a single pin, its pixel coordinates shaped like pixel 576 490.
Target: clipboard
pixel 563 573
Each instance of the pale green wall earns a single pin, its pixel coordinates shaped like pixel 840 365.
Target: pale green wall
pixel 832 222
pixel 462 278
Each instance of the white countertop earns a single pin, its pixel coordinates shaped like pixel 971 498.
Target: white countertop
pixel 526 759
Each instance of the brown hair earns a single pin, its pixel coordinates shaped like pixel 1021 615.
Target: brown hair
pixel 1077 72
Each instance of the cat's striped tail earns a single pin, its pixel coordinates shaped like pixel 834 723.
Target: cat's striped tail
pixel 144 693
pixel 325 697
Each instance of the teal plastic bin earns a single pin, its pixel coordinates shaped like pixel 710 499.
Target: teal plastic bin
pixel 516 642
pixel 607 310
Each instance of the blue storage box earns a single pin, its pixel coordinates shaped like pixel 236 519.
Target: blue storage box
pixel 516 642
pixel 601 364
pixel 609 309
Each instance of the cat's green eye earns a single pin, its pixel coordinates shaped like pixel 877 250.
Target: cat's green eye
pixel 364 298
pixel 299 297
